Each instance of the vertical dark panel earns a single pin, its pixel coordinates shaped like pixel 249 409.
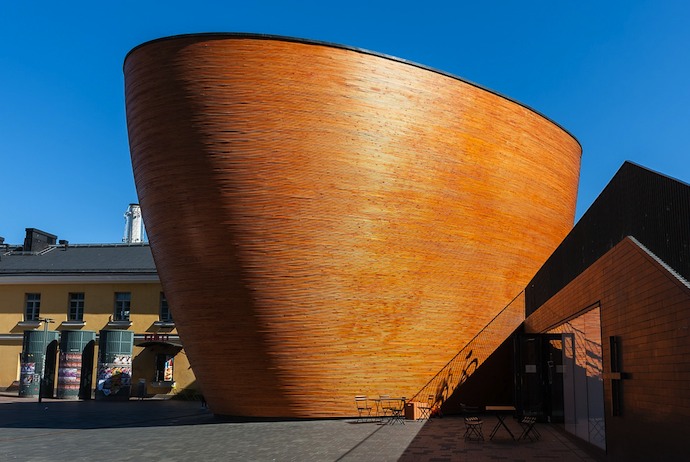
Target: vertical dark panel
pixel 651 207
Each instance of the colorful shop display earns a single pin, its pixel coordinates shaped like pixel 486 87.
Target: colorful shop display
pixel 37 362
pixel 114 378
pixel 73 360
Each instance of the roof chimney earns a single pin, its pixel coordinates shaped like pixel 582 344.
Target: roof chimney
pixel 37 240
pixel 134 225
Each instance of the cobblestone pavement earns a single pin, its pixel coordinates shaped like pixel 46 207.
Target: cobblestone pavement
pixel 59 430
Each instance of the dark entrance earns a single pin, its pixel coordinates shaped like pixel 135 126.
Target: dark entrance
pixel 48 387
pixel 539 376
pixel 86 380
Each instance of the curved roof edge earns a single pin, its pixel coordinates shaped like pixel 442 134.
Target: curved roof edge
pixel 259 36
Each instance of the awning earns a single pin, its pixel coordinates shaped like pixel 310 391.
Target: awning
pixel 152 343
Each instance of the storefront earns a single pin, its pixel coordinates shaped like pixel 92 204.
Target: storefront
pixel 155 364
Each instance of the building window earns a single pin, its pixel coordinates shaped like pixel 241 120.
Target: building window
pixel 164 314
pixel 33 307
pixel 122 302
pixel 76 307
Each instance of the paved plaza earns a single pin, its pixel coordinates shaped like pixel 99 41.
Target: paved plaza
pixel 171 430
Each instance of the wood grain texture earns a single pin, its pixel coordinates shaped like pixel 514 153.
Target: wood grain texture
pixel 328 222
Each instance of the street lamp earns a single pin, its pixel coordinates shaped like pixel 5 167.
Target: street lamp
pixel 45 322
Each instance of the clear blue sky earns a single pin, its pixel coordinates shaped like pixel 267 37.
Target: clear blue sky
pixel 616 74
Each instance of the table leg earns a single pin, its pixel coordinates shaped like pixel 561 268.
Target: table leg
pixel 499 424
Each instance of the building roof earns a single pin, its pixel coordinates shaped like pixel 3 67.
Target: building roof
pixel 79 259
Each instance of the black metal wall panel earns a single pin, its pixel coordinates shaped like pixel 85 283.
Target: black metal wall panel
pixel 653 208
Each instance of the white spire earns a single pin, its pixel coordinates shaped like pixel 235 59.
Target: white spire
pixel 134 225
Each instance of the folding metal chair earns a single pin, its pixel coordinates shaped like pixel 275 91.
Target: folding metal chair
pixel 363 408
pixel 383 408
pixel 528 429
pixel 473 429
pixel 425 411
pixel 397 409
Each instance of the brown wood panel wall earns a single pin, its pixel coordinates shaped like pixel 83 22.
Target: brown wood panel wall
pixel 328 222
pixel 648 309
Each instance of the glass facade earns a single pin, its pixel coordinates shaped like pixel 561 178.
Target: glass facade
pixel 583 385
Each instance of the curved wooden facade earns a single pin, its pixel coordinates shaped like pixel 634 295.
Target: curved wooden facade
pixel 327 221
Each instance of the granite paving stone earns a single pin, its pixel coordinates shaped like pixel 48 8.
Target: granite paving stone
pixel 173 430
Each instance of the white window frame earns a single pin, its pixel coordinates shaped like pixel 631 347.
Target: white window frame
pixel 122 308
pixel 75 310
pixel 32 306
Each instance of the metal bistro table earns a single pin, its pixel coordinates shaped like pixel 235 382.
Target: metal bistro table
pixel 380 409
pixel 390 409
pixel 500 411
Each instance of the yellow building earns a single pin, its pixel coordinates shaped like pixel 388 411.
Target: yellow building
pixel 90 292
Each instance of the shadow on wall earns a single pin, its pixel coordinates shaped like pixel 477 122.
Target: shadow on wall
pixel 491 384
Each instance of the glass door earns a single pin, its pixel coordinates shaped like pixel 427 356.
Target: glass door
pixel 539 376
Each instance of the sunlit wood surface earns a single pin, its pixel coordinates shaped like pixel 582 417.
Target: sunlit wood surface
pixel 329 222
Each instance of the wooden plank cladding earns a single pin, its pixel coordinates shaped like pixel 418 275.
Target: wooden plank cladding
pixel 328 222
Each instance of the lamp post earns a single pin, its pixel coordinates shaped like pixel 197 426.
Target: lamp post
pixel 45 322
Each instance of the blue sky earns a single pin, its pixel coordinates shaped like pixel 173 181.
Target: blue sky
pixel 616 74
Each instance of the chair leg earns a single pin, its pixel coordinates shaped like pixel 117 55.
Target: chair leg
pixel 363 415
pixel 397 416
pixel 473 429
pixel 424 413
pixel 528 429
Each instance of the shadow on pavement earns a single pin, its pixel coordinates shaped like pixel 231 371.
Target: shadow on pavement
pixel 90 414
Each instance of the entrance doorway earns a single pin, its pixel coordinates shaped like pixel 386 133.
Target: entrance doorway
pixel 50 363
pixel 539 376
pixel 86 380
